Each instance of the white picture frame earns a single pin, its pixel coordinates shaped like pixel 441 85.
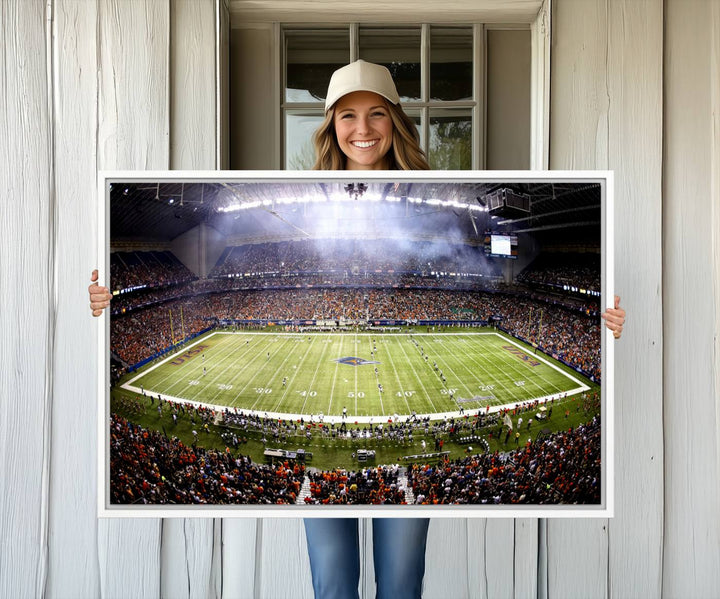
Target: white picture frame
pixel 604 179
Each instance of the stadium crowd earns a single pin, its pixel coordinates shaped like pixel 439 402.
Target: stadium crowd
pixel 155 269
pixel 141 334
pixel 392 429
pixel 566 334
pixel 144 298
pixel 150 468
pixel 563 468
pixel 575 270
pixel 371 486
pixel 141 323
pixel 354 255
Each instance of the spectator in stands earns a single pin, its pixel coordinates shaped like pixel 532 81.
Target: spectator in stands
pixel 563 468
pixel 149 467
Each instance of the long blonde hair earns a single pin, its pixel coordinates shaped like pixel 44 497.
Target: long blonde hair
pixel 405 154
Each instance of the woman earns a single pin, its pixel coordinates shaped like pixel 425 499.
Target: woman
pixel 363 122
pixel 365 129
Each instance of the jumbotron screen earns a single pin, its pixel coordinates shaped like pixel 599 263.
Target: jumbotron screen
pixel 499 245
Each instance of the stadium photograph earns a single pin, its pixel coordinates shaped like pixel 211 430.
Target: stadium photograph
pixel 366 341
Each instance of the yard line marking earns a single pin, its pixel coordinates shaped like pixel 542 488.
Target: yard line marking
pixel 195 372
pixel 307 394
pixel 355 372
pixel 238 372
pixel 544 361
pixel 452 352
pixel 397 377
pixel 337 366
pixel 317 367
pixel 510 365
pixel 172 356
pixel 377 383
pixel 515 367
pixel 419 379
pixel 543 395
pixel 260 373
pixel 275 371
pixel 227 355
pixel 291 379
pixel 485 360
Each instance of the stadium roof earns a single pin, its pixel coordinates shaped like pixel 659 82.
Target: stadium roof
pixel 161 211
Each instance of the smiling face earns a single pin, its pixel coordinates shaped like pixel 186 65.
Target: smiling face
pixel 364 130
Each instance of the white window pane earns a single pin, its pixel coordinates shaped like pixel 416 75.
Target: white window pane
pixel 451 63
pixel 399 50
pixel 299 150
pixel 450 139
pixel 311 58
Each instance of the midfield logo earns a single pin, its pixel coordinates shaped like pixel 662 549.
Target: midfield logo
pixel 353 361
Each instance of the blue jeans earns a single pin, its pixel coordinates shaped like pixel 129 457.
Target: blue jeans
pixel 398 551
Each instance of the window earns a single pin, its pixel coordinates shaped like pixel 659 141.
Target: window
pixel 437 71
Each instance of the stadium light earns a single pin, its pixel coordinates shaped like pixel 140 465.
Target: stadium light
pixel 353 194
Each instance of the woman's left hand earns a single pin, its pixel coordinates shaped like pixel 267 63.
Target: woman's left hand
pixel 615 318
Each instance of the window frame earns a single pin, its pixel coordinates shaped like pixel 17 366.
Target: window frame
pixel 476 106
pixel 537 18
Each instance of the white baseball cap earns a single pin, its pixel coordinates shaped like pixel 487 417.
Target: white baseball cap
pixel 361 76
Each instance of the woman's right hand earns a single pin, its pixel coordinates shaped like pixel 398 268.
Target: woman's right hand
pixel 99 296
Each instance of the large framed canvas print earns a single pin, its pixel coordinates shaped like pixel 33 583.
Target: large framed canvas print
pixel 369 343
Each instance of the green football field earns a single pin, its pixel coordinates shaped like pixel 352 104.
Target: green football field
pixel 370 374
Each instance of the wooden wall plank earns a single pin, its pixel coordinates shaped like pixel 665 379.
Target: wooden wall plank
pixel 239 557
pixel 577 558
pixel 540 89
pixel 73 557
pixel 499 542
pixel 576 551
pixel 446 559
pixel 477 575
pixel 607 113
pixel 186 562
pixel 715 189
pixel 692 399
pixel 635 85
pixel 526 544
pixel 282 566
pixel 578 94
pixel 491 559
pixel 189 566
pixel 27 316
pixel 133 127
pixel 193 85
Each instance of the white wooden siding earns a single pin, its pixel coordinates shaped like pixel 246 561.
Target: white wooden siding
pixel 73 551
pixel 635 87
pixel 133 133
pixel 606 112
pixel 189 565
pixel 27 212
pixel 692 398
